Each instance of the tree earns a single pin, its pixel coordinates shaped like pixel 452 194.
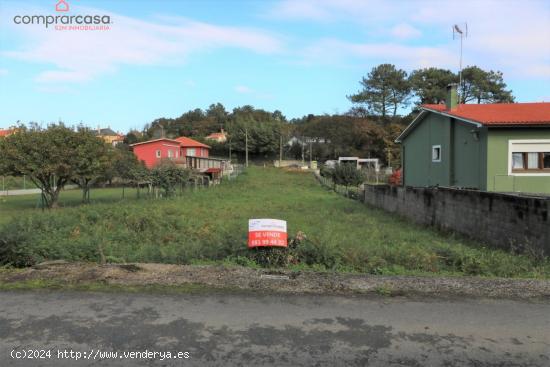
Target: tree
pixel 168 177
pixel 480 86
pixel 430 84
pixel 258 129
pixel 217 113
pixel 46 156
pixel 384 90
pixel 92 158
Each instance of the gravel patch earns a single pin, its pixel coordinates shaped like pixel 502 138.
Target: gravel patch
pixel 283 281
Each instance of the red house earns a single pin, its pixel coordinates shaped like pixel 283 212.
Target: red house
pixel 153 151
pixel 193 148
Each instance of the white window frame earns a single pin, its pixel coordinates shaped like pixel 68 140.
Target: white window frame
pixel 434 147
pixel 527 146
pixel 158 153
pixel 170 154
pixel 194 150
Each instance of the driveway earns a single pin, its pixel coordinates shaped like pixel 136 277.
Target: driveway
pixel 268 330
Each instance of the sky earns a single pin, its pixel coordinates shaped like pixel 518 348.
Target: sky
pixel 161 58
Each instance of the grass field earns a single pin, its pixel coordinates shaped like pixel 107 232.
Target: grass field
pixel 12 206
pixel 210 225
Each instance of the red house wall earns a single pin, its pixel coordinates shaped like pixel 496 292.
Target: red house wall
pixel 147 152
pixel 199 152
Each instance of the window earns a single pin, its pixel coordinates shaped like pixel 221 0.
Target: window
pixel 436 153
pixel 530 161
pixel 529 157
pixel 170 154
pixel 191 152
pixel 158 153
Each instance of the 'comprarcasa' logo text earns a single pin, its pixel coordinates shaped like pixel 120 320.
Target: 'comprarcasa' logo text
pixel 64 22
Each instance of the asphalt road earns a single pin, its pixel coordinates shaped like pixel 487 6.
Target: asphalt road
pixel 259 330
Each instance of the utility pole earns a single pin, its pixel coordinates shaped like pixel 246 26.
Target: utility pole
pixel 280 149
pixel 246 145
pixel 302 143
pixel 310 153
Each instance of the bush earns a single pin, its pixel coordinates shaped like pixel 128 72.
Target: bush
pixel 169 177
pixel 346 174
pixel 14 247
pixel 395 178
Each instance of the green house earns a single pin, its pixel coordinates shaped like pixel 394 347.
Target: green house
pixel 502 147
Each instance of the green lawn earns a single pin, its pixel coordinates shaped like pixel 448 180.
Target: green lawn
pixel 12 206
pixel 210 225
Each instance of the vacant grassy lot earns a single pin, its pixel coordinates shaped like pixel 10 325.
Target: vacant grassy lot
pixel 15 206
pixel 211 226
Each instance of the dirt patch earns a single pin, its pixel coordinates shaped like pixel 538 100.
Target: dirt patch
pixel 283 281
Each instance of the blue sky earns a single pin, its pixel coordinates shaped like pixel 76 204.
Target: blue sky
pixel 161 58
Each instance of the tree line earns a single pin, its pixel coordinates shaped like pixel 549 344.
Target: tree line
pixel 386 88
pixel 368 129
pixel 54 156
pixel 57 155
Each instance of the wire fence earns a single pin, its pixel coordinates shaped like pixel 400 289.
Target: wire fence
pixel 8 183
pixel 352 192
pixel 235 172
pixel 374 177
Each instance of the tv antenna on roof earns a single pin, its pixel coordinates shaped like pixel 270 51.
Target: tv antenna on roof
pixel 460 32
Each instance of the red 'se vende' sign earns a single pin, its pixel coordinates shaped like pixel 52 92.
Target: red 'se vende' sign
pixel 267 233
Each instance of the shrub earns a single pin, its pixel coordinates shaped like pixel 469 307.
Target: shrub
pixel 395 178
pixel 14 247
pixel 346 174
pixel 169 177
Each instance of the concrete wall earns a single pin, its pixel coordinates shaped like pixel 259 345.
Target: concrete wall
pixel 499 220
pixel 288 162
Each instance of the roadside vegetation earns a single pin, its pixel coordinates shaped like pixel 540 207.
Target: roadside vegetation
pixel 326 231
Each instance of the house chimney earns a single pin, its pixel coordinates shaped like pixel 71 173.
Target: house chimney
pixel 451 102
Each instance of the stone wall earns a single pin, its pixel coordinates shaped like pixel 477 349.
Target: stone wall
pixel 288 163
pixel 505 221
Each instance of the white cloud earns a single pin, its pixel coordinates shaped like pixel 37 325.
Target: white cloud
pixel 510 36
pixel 252 93
pixel 408 57
pixel 404 31
pixel 79 56
pixel 300 10
pixel 243 89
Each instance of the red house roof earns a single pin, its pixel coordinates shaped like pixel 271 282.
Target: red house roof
pixel 155 140
pixel 6 132
pixel 188 142
pixel 216 135
pixel 498 114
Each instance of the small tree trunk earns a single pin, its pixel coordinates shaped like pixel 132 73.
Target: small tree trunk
pixel 84 194
pixel 53 201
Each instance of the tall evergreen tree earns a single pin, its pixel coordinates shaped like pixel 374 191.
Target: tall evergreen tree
pixel 429 84
pixel 480 86
pixel 385 89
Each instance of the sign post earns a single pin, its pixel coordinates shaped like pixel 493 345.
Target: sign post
pixel 267 233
